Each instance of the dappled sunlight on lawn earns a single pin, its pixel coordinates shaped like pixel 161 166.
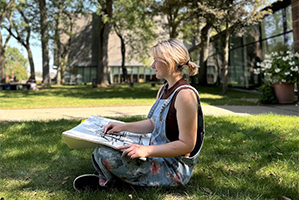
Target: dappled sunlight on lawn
pixel 241 158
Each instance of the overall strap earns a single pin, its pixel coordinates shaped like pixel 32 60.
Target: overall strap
pixel 167 101
pixel 151 112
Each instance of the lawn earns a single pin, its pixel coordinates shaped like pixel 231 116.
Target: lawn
pixel 117 95
pixel 252 157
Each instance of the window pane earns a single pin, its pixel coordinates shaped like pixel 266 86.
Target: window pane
pixel 236 71
pixel 80 75
pixel 252 34
pixel 270 44
pixel 86 74
pixel 272 25
pixel 252 56
pixel 290 39
pixel 213 65
pixel 194 56
pixel 93 76
pixel 235 42
pixel 289 18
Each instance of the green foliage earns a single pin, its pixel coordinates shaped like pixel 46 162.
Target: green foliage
pixel 135 26
pixel 15 62
pixel 241 158
pixel 268 95
pixel 280 66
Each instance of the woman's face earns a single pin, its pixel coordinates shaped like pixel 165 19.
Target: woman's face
pixel 160 68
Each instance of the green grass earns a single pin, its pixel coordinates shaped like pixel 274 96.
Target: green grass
pixel 118 95
pixel 254 157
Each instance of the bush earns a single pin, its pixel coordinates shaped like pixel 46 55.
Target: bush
pixel 268 95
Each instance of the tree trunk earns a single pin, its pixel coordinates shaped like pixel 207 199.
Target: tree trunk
pixel 64 63
pixel 57 46
pixel 103 74
pixel 123 54
pixel 204 54
pixel 31 62
pixel 2 47
pixel 2 61
pixel 225 62
pixel 45 44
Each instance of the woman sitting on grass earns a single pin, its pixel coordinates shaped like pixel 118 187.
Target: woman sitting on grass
pixel 177 127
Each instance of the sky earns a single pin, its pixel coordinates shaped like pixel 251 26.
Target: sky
pixel 36 53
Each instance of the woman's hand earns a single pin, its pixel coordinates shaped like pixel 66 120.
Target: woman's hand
pixel 113 127
pixel 134 151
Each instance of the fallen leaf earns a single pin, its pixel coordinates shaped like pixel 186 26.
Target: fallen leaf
pixel 130 196
pixel 231 171
pixel 65 178
pixel 207 190
pixel 63 182
pixel 210 177
pixel 244 141
pixel 280 180
pixel 223 196
pixel 285 198
pixel 278 153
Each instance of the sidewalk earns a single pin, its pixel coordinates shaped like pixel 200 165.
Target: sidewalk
pixel 80 113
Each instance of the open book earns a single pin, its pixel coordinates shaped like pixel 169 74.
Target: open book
pixel 90 134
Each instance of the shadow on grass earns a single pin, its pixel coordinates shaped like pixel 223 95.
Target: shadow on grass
pixel 242 158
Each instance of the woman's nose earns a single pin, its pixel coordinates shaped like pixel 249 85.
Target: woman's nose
pixel 153 65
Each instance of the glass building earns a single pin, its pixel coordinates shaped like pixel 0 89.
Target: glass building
pixel 246 50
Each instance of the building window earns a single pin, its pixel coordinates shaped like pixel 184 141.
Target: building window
pixel 236 69
pixel 289 18
pixel 272 25
pixel 251 34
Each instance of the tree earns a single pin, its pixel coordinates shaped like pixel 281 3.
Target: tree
pixel 134 28
pixel 44 33
pixel 231 17
pixel 193 23
pixel 176 14
pixel 21 25
pixel 64 13
pixel 105 12
pixel 204 21
pixel 6 10
pixel 15 62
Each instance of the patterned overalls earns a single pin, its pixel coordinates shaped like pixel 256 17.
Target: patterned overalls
pixel 154 171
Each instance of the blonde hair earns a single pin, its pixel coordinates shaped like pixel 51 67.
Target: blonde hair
pixel 175 55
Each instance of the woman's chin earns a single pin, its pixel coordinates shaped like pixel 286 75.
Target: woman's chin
pixel 158 77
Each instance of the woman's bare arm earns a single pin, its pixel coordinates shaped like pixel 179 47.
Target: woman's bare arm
pixel 186 106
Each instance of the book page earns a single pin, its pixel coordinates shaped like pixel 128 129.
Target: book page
pixel 91 130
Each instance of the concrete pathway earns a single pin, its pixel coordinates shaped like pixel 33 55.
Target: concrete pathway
pixel 79 113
